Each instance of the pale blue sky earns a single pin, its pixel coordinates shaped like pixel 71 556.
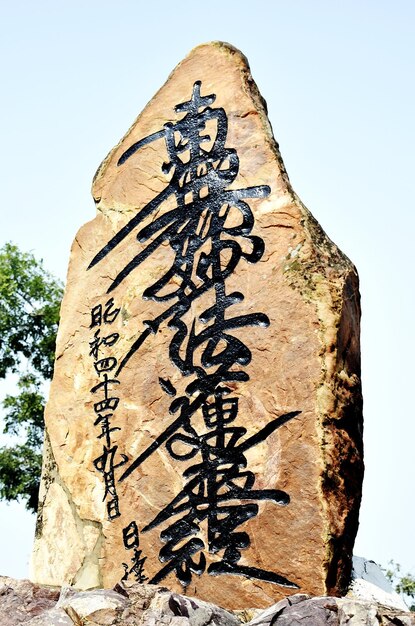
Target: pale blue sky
pixel 338 80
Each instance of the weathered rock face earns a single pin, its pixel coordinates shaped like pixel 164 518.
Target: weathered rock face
pixel 21 601
pixel 204 421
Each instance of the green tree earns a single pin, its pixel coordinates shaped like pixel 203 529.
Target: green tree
pixel 29 313
pixel 404 584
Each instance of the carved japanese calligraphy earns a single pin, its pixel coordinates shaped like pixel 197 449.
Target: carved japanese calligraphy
pixel 198 233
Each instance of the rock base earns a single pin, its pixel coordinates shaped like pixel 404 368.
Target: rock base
pixel 132 604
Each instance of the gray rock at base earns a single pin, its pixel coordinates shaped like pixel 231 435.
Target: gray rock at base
pixel 21 600
pixel 301 610
pixel 52 617
pixel 132 604
pixel 268 617
pixel 370 584
pixel 157 605
pixel 100 606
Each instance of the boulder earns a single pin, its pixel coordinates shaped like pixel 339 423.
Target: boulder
pixel 204 425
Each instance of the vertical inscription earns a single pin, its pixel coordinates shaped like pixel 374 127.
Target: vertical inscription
pixel 131 541
pixel 209 231
pixel 106 400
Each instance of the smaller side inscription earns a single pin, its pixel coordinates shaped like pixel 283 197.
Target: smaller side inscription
pixel 131 540
pixel 106 400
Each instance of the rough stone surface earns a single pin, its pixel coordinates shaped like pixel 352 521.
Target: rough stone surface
pixel 291 481
pixel 21 600
pixel 330 611
pixel 132 604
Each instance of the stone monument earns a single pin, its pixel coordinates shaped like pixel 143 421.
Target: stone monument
pixel 204 426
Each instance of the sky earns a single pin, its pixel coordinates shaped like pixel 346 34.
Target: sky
pixel 338 80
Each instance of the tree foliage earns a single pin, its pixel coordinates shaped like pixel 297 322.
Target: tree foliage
pixel 404 584
pixel 29 313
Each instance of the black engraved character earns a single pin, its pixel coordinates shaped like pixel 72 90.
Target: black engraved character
pixel 108 315
pixel 109 402
pixel 105 365
pixel 106 429
pixel 99 341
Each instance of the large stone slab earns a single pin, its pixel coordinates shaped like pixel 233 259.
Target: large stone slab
pixel 204 423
